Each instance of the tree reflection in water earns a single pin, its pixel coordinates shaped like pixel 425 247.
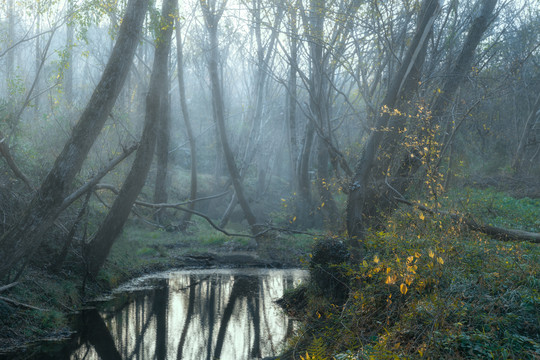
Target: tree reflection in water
pixel 203 314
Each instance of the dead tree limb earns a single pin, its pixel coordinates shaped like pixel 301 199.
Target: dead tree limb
pixel 178 206
pixel 494 231
pixel 8 286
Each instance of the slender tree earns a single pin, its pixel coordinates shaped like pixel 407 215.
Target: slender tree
pixel 212 15
pixel 99 247
pixel 187 119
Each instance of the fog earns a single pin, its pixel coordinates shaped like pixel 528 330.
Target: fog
pixel 317 99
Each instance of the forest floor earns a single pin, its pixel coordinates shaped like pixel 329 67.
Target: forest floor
pixel 46 301
pixel 428 287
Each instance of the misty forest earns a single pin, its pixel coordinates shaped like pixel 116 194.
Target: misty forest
pixel 389 148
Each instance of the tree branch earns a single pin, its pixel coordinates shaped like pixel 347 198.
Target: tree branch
pixel 91 183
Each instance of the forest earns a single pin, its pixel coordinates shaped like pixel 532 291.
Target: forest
pixel 389 147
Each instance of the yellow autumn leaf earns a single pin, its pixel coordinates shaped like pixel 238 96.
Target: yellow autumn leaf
pixel 431 254
pixel 409 280
pixel 376 259
pixel 365 263
pixel 440 260
pixel 410 259
pixel 403 289
pixel 421 216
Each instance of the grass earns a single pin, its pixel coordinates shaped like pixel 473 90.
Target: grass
pixel 430 288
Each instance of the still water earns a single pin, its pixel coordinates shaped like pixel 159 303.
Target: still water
pixel 197 314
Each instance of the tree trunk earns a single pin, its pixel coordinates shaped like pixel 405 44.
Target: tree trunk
pixel 98 249
pixel 356 204
pixel 10 61
pixel 162 149
pixel 37 60
pixel 291 98
pixel 520 152
pixel 18 242
pixel 304 203
pixel 320 107
pixel 187 121
pixel 212 19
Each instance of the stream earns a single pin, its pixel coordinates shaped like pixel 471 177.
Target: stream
pixel 191 314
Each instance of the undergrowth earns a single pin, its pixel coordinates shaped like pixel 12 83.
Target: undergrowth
pixel 429 288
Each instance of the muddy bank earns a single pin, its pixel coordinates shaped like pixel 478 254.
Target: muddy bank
pixel 23 327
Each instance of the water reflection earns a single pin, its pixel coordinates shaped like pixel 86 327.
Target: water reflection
pixel 206 314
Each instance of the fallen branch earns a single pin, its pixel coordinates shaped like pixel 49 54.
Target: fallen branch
pixel 19 304
pixel 494 231
pixel 160 205
pixel 178 206
pixel 8 286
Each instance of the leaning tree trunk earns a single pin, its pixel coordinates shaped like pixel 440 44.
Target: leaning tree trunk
pixel 24 237
pixel 408 166
pixel 360 182
pixel 212 19
pixel 98 249
pixel 361 201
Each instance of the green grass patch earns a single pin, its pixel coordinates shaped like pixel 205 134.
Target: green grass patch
pixel 497 208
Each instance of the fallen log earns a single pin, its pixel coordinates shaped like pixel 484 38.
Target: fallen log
pixel 493 231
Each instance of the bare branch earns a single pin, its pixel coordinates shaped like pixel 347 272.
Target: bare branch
pixel 91 183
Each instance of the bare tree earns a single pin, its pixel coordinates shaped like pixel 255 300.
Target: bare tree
pixel 367 196
pixel 212 15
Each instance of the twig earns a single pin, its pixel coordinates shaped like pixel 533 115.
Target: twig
pixel 19 304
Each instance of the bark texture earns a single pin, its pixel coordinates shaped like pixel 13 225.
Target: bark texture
pixel 98 250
